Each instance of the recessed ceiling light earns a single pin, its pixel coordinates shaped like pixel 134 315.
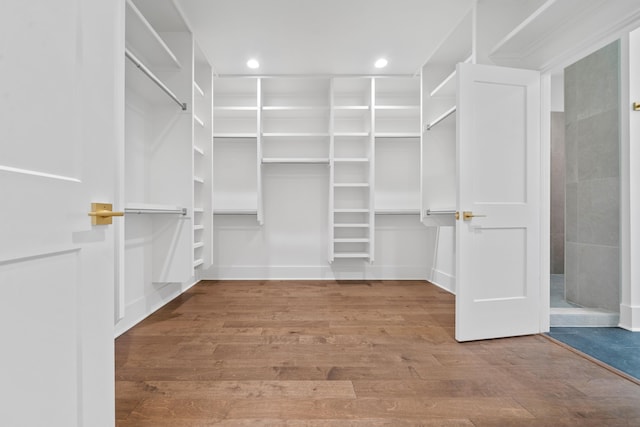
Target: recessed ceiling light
pixel 253 64
pixel 381 63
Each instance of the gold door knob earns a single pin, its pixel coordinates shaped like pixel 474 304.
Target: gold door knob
pixel 467 215
pixel 101 213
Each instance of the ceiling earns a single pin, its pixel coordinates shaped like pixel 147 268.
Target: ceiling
pixel 321 36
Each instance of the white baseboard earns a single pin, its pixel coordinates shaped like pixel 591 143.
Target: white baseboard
pixel 335 271
pixel 140 309
pixel 443 280
pixel 630 317
pixel 582 317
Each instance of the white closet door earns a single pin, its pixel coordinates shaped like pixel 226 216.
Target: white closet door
pixel 58 138
pixel 498 256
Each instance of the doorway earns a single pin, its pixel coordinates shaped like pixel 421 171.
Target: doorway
pixel 585 191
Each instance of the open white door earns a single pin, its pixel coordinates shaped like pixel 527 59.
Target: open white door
pixel 59 131
pixel 497 253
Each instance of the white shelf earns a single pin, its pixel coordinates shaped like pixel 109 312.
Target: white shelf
pixel 198 245
pixel 351 210
pixel 352 240
pixel 292 160
pixel 351 185
pixel 235 211
pixel 397 135
pixel 198 120
pixel 398 211
pixel 547 17
pixel 198 227
pixel 198 180
pixel 447 87
pixel 198 150
pixel 354 225
pixel 143 40
pixel 351 134
pixel 351 255
pixel 198 210
pixel 351 160
pixel 235 135
pixel 197 263
pixel 235 108
pixel 198 89
pixel 295 134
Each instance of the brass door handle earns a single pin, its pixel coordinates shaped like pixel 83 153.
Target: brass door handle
pixel 101 213
pixel 467 215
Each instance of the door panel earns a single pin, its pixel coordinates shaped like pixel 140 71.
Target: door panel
pixel 498 148
pixel 58 139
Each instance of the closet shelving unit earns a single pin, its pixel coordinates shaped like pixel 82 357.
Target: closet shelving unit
pixel 294 121
pixel 202 160
pixel 438 133
pixel 158 163
pixel 396 102
pixel 352 154
pixel 237 147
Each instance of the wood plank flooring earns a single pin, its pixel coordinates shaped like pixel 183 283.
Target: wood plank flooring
pixel 380 353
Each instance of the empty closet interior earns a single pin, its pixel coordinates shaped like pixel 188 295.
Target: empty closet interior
pixel 299 176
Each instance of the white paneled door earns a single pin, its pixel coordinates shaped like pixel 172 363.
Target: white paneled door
pixel 498 231
pixel 60 63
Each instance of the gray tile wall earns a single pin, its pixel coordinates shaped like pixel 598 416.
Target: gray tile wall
pixel 557 192
pixel 592 180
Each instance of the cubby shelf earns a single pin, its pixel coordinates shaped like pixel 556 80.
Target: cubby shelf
pixel 292 160
pixel 144 40
pixel 294 134
pixel 352 240
pixel 198 227
pixel 351 185
pixel 236 135
pixel 198 262
pixel 235 211
pixel 198 180
pixel 349 225
pixel 198 150
pixel 197 245
pixel 397 134
pixel 350 134
pixel 351 255
pixel 198 120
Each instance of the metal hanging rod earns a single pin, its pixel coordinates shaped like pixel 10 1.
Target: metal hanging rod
pixel 446 114
pixel 181 211
pixel 441 212
pixel 153 78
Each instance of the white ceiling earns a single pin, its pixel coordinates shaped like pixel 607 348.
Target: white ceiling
pixel 321 36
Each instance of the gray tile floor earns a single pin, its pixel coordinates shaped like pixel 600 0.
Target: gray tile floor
pixel 557 293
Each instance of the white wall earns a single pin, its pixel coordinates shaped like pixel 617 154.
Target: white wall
pixel 293 242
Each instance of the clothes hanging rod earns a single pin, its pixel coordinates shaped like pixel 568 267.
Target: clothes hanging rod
pixel 442 117
pixel 440 212
pixel 181 211
pixel 153 78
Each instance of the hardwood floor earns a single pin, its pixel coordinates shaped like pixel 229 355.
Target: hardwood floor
pixel 292 353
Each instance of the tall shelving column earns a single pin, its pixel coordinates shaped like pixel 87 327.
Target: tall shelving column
pixel 351 215
pixel 294 120
pixel 202 160
pixel 236 147
pixel 158 163
pixel 396 105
